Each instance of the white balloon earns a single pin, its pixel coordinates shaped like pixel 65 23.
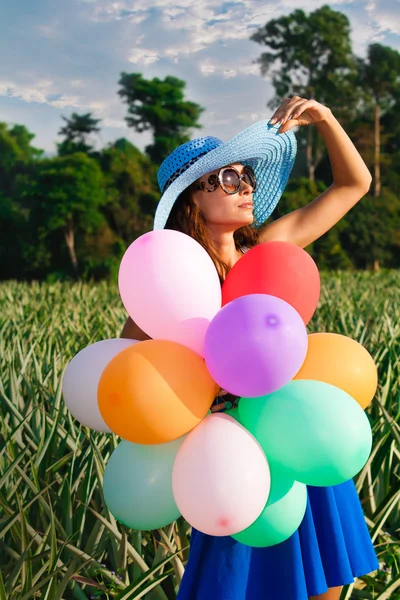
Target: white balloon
pixel 81 379
pixel 221 477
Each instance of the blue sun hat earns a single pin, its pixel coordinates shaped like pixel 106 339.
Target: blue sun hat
pixel 269 153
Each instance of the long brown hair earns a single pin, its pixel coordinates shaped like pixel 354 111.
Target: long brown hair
pixel 186 217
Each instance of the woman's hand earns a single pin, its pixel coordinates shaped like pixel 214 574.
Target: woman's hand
pixel 296 111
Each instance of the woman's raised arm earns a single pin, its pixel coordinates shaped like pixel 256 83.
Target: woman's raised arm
pixel 351 178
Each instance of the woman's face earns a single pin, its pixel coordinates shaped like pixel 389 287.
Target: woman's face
pixel 220 208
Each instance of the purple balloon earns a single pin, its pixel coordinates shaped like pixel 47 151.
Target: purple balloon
pixel 255 345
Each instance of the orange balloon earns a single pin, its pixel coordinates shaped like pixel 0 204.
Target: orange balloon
pixel 343 362
pixel 155 391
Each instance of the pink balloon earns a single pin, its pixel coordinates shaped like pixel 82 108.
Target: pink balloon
pixel 221 477
pixel 170 287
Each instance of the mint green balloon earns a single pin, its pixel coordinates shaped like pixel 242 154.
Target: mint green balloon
pixel 137 484
pixel 233 412
pixel 282 514
pixel 317 432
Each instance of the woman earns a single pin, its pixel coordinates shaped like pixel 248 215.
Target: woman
pixel 221 194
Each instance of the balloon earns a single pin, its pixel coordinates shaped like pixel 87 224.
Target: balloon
pixel 343 362
pixel 279 269
pixel 170 287
pixel 81 379
pixel 317 432
pixel 282 515
pixel 255 345
pixel 137 484
pixel 220 478
pixel 233 412
pixel 155 392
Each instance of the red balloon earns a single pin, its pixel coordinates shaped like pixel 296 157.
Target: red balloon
pixel 280 269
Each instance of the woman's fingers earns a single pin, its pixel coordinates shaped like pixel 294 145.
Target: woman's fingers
pixel 218 407
pixel 287 109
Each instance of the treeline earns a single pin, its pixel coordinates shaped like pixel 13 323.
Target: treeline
pixel 74 214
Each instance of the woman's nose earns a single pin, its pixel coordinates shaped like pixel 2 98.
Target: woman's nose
pixel 245 187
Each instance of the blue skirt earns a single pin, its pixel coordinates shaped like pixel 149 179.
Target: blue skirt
pixel 331 547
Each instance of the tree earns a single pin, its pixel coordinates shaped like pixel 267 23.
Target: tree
pixel 130 191
pixel 16 154
pixel 65 196
pixel 159 106
pixel 380 79
pixel 17 161
pixel 310 56
pixel 77 130
pixel 372 231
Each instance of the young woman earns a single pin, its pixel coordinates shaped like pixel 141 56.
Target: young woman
pixel 221 194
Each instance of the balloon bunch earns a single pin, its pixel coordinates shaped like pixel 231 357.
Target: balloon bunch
pixel 300 418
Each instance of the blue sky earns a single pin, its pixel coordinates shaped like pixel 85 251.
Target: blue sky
pixel 64 56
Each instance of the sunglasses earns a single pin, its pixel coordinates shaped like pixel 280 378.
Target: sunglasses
pixel 229 179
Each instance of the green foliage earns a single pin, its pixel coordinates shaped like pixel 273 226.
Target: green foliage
pixel 371 231
pixel 312 56
pixel 67 189
pixel 380 74
pixel 77 131
pixel 15 146
pixel 16 154
pixel 298 192
pixel 159 106
pixel 13 230
pixel 65 196
pixel 131 197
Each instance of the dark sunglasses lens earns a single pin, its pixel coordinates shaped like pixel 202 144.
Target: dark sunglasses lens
pixel 249 177
pixel 230 180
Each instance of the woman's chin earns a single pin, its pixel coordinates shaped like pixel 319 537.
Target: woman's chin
pixel 246 220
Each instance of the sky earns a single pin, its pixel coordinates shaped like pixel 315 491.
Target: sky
pixel 65 56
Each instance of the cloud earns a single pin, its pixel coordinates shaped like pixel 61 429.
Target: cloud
pixel 311 5
pixel 207 21
pixel 209 67
pixel 117 11
pixel 117 123
pixel 140 55
pixel 384 16
pixel 50 30
pixel 39 93
pixel 179 30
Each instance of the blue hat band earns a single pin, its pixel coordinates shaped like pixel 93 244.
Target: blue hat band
pixel 179 172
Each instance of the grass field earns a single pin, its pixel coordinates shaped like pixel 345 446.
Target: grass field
pixel 57 538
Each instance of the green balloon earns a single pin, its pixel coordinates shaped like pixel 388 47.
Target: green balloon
pixel 137 484
pixel 282 514
pixel 233 412
pixel 317 432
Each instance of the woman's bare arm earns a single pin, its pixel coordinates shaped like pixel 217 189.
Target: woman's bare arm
pixel 133 332
pixel 351 178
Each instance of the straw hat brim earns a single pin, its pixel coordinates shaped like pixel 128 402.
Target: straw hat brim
pixel 271 154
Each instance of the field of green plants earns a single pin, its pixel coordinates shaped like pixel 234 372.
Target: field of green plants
pixel 57 538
